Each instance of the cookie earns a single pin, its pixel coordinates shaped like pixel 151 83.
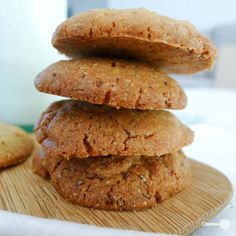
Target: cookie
pixel 15 145
pixel 118 83
pixel 39 164
pixel 172 45
pixel 120 183
pixel 71 128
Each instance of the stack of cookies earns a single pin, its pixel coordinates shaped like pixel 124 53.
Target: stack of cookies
pixel 113 145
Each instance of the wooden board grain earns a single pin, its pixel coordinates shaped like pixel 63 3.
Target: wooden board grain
pixel 23 192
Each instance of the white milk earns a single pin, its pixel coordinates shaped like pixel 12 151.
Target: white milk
pixel 26 28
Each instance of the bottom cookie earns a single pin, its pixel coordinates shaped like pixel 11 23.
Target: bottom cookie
pixel 117 183
pixel 39 164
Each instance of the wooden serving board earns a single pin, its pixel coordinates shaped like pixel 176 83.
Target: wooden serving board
pixel 23 192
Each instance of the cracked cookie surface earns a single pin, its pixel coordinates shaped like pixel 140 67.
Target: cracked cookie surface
pixel 74 129
pixel 172 45
pixel 114 82
pixel 120 183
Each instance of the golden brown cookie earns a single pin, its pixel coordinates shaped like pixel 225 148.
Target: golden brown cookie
pixel 15 145
pixel 120 183
pixel 118 83
pixel 174 46
pixel 39 163
pixel 71 128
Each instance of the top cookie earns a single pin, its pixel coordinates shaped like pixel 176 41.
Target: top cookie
pixel 71 129
pixel 174 46
pixel 118 83
pixel 15 145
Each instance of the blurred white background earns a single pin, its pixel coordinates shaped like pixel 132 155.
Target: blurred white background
pixel 205 14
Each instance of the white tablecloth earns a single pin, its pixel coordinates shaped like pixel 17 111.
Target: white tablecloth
pixel 211 113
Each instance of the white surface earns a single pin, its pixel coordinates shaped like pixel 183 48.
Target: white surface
pixel 211 113
pixel 25 44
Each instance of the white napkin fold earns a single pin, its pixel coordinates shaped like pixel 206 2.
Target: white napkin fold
pixel 13 224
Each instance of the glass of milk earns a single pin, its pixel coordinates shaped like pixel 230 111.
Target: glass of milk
pixel 26 28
